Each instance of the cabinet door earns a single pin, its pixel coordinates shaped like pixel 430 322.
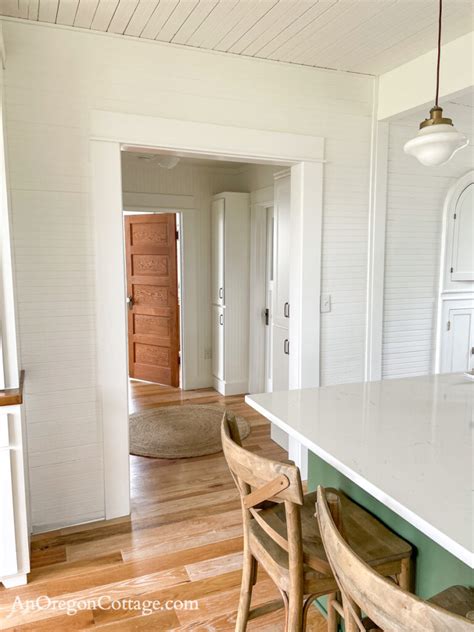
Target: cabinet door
pixel 218 342
pixel 280 358
pixel 8 559
pixel 458 340
pixel 281 252
pixel 463 237
pixel 217 251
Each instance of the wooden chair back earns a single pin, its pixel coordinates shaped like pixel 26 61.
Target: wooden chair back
pixel 387 605
pixel 260 480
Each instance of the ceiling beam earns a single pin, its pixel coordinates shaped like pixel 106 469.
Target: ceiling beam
pixel 412 85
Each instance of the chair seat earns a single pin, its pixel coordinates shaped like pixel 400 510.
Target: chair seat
pixel 456 599
pixel 373 542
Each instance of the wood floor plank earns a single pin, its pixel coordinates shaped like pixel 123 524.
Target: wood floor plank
pixel 182 541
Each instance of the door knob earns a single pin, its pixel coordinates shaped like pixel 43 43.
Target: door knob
pixel 130 302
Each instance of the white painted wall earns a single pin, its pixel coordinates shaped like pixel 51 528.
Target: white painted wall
pixel 54 78
pixel 415 199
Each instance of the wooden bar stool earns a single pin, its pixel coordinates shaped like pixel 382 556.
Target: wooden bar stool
pixel 281 534
pixel 389 607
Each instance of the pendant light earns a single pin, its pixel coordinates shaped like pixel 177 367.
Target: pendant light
pixel 438 140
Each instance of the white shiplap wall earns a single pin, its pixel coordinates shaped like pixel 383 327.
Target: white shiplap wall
pixel 54 77
pixel 415 199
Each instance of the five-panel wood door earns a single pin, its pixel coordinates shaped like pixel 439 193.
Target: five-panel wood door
pixel 152 296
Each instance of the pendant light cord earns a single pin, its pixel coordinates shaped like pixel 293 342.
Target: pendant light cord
pixel 439 50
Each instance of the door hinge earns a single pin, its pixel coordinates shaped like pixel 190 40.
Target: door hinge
pixel 266 316
pixel 448 326
pixel 451 270
pixel 177 234
pixel 179 358
pixel 454 216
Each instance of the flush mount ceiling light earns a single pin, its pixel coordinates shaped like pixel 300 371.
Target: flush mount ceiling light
pixel 438 140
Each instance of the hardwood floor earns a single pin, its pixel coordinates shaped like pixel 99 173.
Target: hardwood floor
pixel 182 542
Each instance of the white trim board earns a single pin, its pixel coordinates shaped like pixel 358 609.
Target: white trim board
pixel 111 131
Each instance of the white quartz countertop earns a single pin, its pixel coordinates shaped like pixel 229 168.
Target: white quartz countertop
pixel 407 442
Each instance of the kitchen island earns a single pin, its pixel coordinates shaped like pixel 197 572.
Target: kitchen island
pixel 402 449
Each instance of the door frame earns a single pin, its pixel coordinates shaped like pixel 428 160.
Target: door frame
pixel 110 132
pixel 127 211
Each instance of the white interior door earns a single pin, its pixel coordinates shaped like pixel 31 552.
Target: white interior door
pixel 458 340
pixel 269 276
pixel 217 251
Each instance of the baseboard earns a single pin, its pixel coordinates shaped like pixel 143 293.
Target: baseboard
pixel 230 388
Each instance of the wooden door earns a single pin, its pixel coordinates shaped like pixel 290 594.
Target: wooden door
pixel 152 291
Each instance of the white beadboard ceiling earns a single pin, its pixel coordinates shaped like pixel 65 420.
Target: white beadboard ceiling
pixel 367 36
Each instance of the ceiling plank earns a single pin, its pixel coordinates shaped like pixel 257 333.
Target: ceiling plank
pixel 158 18
pixel 33 9
pixel 252 12
pixel 122 16
pixel 216 17
pixel 10 8
pixel 295 29
pixel 176 19
pixel 194 21
pixel 85 13
pixel 67 12
pixel 141 16
pixel 104 14
pixel 261 38
pixel 48 10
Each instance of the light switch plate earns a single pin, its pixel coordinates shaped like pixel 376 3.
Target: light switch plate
pixel 325 303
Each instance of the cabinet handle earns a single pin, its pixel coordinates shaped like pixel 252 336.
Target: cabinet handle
pixel 221 292
pixel 286 346
pixel 286 310
pixel 221 319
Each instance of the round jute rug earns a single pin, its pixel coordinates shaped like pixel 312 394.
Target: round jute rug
pixel 178 432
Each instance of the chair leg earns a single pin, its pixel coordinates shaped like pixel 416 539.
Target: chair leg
pixel 249 577
pixel 405 578
pixel 333 617
pixel 294 621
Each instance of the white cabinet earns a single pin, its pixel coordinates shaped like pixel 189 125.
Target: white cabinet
pixel 281 350
pixel 218 342
pixel 281 252
pixel 14 523
pixel 462 263
pixel 217 255
pixel 458 341
pixel 230 291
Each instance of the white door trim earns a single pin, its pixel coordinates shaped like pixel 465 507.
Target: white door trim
pixel 109 133
pixel 376 251
pixel 260 200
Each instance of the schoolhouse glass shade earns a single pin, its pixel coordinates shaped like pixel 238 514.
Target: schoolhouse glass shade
pixel 436 145
pixel 437 141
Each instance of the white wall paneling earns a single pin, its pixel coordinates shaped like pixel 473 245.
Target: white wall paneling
pixel 414 235
pixel 51 105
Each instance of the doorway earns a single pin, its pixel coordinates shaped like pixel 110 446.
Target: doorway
pixel 151 255
pixel 111 134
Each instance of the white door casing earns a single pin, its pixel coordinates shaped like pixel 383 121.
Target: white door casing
pixel 109 131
